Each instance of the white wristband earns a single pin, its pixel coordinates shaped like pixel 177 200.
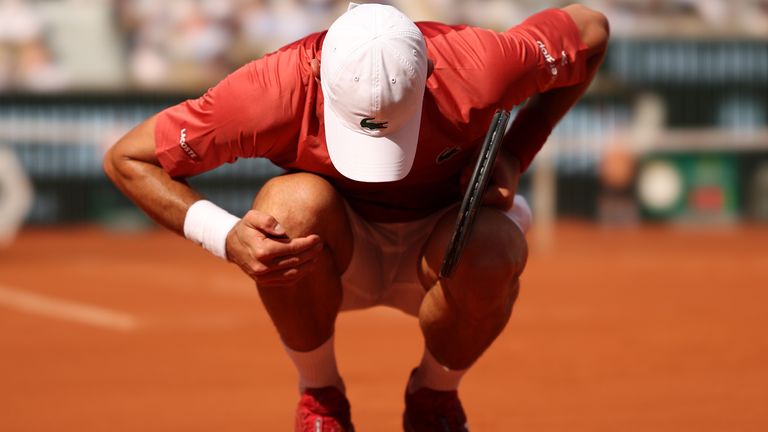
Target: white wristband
pixel 208 225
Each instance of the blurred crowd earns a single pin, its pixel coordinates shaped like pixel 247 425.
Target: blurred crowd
pixel 189 44
pixel 26 60
pixel 192 42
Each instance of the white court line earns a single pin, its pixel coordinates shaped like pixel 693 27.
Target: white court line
pixel 67 310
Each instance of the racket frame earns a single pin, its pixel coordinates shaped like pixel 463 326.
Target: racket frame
pixel 476 188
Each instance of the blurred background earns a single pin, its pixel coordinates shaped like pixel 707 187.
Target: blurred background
pixel 643 302
pixel 673 130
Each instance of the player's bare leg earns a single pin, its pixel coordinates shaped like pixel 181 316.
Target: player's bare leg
pixel 304 312
pixel 460 317
pixel 463 315
pixel 471 309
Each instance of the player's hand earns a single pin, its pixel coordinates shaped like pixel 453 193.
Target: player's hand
pixel 504 180
pixel 263 251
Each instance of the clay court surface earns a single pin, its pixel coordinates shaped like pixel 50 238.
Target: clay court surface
pixel 652 329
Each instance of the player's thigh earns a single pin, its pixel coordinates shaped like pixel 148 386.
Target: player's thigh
pixel 304 204
pixel 495 254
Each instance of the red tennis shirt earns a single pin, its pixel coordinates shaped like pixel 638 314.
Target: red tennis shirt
pixel 273 108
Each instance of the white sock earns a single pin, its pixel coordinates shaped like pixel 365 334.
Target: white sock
pixel 435 376
pixel 317 368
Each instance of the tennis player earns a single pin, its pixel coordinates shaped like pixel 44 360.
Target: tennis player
pixel 376 121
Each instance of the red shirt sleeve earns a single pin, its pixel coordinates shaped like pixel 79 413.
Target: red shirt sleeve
pixel 478 71
pixel 549 46
pixel 487 68
pixel 548 50
pixel 251 113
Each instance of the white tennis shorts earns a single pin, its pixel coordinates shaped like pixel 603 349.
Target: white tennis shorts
pixel 383 269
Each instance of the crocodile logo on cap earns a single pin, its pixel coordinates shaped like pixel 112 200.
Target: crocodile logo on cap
pixel 366 123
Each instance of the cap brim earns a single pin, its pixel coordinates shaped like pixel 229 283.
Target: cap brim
pixel 366 158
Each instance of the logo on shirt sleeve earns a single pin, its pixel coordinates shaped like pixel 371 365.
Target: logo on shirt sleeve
pixel 185 147
pixel 551 61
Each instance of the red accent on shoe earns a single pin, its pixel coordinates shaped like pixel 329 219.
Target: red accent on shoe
pixel 428 410
pixel 323 410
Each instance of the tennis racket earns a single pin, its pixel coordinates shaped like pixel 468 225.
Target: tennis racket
pixel 473 197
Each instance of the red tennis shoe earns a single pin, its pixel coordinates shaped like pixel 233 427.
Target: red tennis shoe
pixel 323 410
pixel 428 410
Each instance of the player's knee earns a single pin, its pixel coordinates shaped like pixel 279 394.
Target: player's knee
pixel 496 245
pixel 593 26
pixel 494 260
pixel 303 203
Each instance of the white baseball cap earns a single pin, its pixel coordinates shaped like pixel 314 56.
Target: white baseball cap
pixel 373 73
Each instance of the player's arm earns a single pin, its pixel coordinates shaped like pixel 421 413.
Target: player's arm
pixel 133 167
pixel 521 69
pixel 536 120
pixel 150 162
pixel 256 242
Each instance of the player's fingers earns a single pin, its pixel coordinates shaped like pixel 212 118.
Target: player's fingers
pixel 283 276
pixel 499 197
pixel 501 192
pixel 298 259
pixel 502 174
pixel 269 249
pixel 264 223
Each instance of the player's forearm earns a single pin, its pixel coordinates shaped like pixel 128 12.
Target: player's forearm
pixel 536 120
pixel 133 168
pixel 162 198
